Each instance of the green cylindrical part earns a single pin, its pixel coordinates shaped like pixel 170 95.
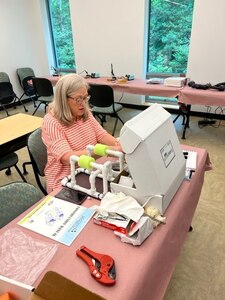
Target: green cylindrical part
pixel 85 161
pixel 100 149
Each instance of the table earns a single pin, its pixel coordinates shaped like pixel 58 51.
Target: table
pixel 140 87
pixel 209 97
pixel 15 130
pixel 190 96
pixel 185 95
pixel 136 86
pixel 143 272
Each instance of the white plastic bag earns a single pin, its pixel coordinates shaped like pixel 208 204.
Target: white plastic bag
pixel 23 258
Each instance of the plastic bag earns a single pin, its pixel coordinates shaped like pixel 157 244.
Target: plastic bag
pixel 23 258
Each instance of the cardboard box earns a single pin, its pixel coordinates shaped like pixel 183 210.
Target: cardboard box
pixel 56 287
pixel 16 290
pixel 154 157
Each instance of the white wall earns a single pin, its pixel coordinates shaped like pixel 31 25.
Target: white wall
pixel 22 42
pixel 207 48
pixel 207 45
pixel 108 32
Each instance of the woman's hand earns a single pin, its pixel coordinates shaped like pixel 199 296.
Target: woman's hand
pixel 117 147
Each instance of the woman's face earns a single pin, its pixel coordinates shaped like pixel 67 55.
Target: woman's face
pixel 77 102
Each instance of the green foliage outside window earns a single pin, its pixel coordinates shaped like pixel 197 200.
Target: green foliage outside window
pixel 62 33
pixel 169 35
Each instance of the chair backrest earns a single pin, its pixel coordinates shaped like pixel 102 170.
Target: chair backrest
pixel 101 95
pixel 23 73
pixel 42 86
pixel 15 198
pixel 28 87
pixel 6 93
pixel 38 150
pixel 38 155
pixel 25 76
pixel 4 77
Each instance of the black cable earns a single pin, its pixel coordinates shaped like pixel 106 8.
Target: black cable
pixel 217 124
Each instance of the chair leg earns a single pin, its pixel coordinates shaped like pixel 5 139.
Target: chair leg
pixel 24 167
pixel 33 98
pixel 36 109
pixel 19 172
pixel 25 109
pixel 5 110
pixel 114 129
pixel 176 117
pixel 120 119
pixel 8 172
pixel 102 118
pixel 46 106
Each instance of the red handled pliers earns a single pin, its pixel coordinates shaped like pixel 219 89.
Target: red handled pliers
pixel 102 266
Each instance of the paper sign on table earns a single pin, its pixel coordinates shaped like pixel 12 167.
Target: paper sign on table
pixel 57 219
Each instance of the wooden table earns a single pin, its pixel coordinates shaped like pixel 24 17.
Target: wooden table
pixel 143 272
pixel 14 131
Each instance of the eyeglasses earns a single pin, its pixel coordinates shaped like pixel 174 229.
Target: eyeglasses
pixel 79 100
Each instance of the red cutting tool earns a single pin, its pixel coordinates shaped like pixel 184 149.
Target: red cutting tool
pixel 102 266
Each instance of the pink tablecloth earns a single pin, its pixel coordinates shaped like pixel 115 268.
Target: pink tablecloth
pixel 142 272
pixel 186 94
pixel 136 86
pixel 211 97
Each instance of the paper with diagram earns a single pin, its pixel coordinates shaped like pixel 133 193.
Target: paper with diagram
pixel 57 219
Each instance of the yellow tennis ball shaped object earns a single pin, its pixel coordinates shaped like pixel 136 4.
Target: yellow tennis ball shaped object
pixel 85 161
pixel 100 149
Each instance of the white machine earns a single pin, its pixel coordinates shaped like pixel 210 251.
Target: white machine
pixel 152 155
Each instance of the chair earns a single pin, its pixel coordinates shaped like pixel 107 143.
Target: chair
pixel 38 155
pixel 8 161
pixel 44 91
pixel 102 103
pixel 7 95
pixel 25 76
pixel 15 198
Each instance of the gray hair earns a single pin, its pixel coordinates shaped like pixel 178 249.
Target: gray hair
pixel 66 87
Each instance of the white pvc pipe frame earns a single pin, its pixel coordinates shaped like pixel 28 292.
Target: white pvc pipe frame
pixel 103 171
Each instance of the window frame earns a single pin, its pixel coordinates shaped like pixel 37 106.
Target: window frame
pixel 57 69
pixel 157 74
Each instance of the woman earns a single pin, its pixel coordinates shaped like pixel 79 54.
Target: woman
pixel 69 127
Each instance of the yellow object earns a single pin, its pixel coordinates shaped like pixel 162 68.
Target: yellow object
pixel 152 211
pixel 85 161
pixel 100 149
pixel 122 80
pixel 5 297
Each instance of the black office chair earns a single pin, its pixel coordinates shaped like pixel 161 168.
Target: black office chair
pixel 8 161
pixel 38 155
pixel 7 95
pixel 102 103
pixel 44 91
pixel 15 198
pixel 25 76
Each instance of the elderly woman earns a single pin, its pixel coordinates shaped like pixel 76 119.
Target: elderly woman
pixel 69 127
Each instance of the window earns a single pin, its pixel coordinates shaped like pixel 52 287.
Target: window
pixel 170 23
pixel 61 31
